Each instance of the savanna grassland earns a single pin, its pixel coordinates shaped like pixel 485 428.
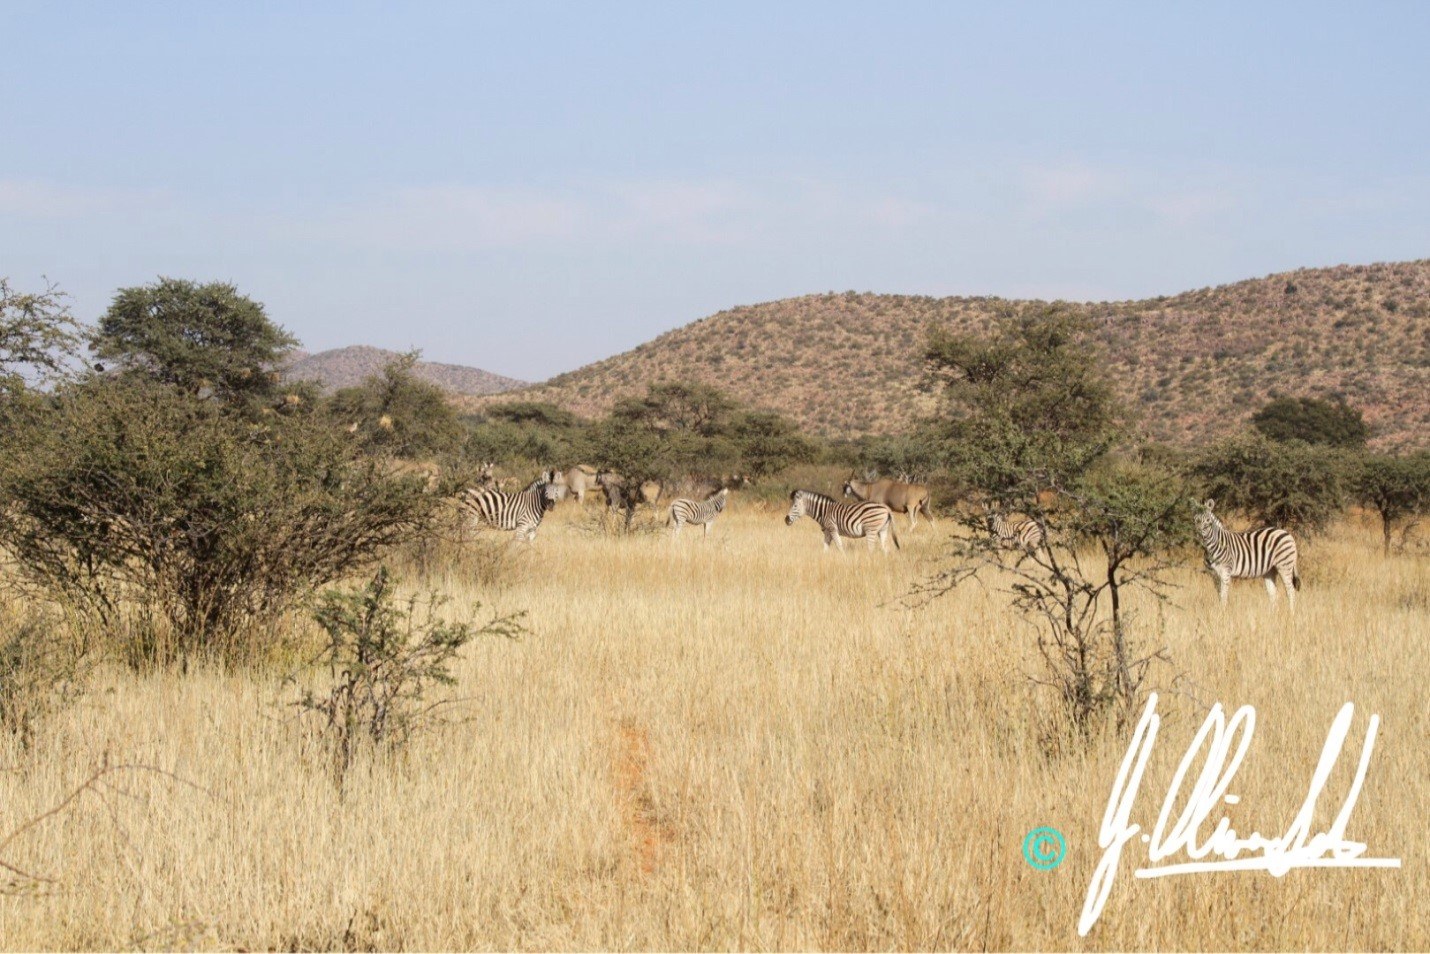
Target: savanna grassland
pixel 736 743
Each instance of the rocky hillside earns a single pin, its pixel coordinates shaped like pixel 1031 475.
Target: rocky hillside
pixel 1196 364
pixel 344 367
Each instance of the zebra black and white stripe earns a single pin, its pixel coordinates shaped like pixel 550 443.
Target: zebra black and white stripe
pixel 520 512
pixel 1022 532
pixel 684 510
pixel 862 518
pixel 1266 552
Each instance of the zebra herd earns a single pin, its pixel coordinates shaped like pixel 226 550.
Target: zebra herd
pixel 1267 553
pixel 864 518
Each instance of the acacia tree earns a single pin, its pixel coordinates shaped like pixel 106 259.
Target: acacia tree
pixel 1397 488
pixel 38 336
pixel 201 339
pixel 396 412
pixel 768 443
pixel 1312 421
pixel 678 406
pixel 1027 408
pixel 672 430
pixel 1030 422
pixel 1296 486
pixel 536 432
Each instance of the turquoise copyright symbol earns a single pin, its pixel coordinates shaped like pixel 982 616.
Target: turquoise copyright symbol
pixel 1044 848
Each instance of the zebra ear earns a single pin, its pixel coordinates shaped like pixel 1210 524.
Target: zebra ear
pixel 1209 504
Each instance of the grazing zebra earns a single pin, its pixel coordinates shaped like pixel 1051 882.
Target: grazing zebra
pixel 1023 532
pixel 864 518
pixel 1265 552
pixel 521 512
pixel 685 510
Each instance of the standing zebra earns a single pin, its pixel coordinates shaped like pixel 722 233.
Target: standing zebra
pixel 863 518
pixel 685 510
pixel 1265 552
pixel 521 511
pixel 1022 532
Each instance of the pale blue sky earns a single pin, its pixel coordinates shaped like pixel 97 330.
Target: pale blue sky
pixel 531 187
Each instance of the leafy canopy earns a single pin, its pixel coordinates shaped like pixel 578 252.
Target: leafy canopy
pixel 1027 407
pixel 1313 421
pixel 37 335
pixel 1295 486
pixel 202 339
pixel 396 412
pixel 1397 488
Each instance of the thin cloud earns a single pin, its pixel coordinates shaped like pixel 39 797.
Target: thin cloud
pixel 44 200
pixel 446 218
pixel 466 217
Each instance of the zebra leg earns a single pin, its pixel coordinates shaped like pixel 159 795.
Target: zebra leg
pixel 1288 582
pixel 1223 582
pixel 1270 580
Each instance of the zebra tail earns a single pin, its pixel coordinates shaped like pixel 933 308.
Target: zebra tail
pixel 895 534
pixel 1295 579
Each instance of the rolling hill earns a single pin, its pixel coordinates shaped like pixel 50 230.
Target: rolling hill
pixel 1197 364
pixel 345 367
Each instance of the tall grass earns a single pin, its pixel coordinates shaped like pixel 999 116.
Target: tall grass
pixel 740 743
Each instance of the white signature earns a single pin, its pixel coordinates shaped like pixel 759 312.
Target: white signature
pixel 1180 830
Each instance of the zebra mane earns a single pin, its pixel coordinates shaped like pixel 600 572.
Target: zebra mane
pixel 812 495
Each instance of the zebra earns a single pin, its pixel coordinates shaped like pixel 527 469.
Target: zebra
pixel 863 518
pixel 1266 552
pixel 521 511
pixel 1023 532
pixel 685 510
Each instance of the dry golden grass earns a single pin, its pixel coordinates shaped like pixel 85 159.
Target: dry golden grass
pixel 742 743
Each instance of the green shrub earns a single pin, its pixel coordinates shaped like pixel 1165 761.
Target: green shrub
pixel 382 659
pixel 1295 486
pixel 397 413
pixel 1314 421
pixel 182 527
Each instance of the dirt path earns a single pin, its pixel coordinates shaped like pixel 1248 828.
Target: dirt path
pixel 648 835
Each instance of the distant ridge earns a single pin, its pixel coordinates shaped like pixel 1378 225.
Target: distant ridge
pixel 345 367
pixel 1196 365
